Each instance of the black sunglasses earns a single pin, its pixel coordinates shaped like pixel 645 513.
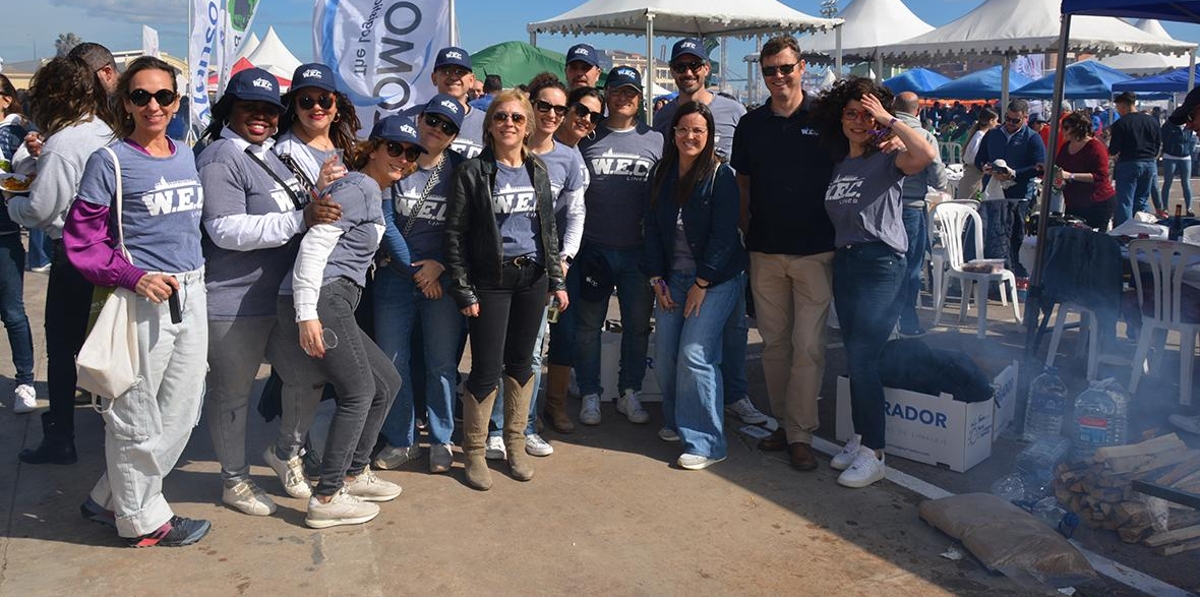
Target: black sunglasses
pixel 141 97
pixel 1011 120
pixel 545 106
pixel 515 117
pixel 395 149
pixel 439 122
pixel 306 102
pixel 783 69
pixel 583 111
pixel 683 67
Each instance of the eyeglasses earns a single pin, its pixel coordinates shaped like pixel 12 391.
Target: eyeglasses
pixel 396 149
pixel 852 115
pixel 456 72
pixel 515 117
pixel 783 69
pixel 683 131
pixel 682 67
pixel 625 91
pixel 306 102
pixel 544 107
pixel 583 111
pixel 1011 120
pixel 141 97
pixel 439 122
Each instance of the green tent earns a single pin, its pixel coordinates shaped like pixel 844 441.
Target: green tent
pixel 517 62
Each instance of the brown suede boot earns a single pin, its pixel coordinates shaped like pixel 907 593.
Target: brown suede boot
pixel 475 429
pixel 558 381
pixel 516 418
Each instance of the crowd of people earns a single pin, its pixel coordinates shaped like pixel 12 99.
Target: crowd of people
pixel 364 267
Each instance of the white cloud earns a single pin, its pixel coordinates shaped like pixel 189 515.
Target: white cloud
pixel 141 11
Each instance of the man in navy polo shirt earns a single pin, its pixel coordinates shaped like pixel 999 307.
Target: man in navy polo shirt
pixel 1022 149
pixel 783 171
pixel 583 67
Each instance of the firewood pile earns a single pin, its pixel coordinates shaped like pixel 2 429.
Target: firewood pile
pixel 1099 491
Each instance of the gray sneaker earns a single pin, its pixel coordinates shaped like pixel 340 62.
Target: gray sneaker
pixel 496 450
pixel 370 488
pixel 630 405
pixel 248 498
pixel 589 412
pixel 744 410
pixel 391 457
pixel 290 473
pixel 441 458
pixel 343 509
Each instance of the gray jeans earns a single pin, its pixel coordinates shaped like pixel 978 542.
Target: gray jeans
pixel 364 377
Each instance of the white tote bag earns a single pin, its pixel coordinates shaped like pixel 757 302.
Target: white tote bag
pixel 108 364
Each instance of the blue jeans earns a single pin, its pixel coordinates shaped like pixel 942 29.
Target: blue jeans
pixel 918 242
pixel 734 341
pixel 688 357
pixel 1133 180
pixel 1184 169
pixel 636 301
pixel 12 306
pixel 867 278
pixel 398 305
pixel 40 249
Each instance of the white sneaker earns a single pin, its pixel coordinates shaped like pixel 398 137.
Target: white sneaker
pixel 668 435
pixel 744 410
pixel 842 460
pixel 290 473
pixel 630 405
pixel 589 414
pixel 342 509
pixel 696 462
pixel 441 458
pixel 865 470
pixel 24 399
pixel 1188 424
pixel 391 457
pixel 495 448
pixel 536 446
pixel 248 498
pixel 368 487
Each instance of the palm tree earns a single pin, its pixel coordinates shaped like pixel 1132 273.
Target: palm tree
pixel 65 43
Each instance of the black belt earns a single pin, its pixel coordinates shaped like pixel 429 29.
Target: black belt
pixel 519 261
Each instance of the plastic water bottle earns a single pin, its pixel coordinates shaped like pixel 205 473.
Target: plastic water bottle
pixel 1036 464
pixel 1047 406
pixel 1101 417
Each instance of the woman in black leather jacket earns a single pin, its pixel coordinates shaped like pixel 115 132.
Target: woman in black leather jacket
pixel 502 255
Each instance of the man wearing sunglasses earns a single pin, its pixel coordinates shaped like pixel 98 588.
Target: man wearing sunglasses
pixel 453 76
pixel 1135 141
pixel 1022 149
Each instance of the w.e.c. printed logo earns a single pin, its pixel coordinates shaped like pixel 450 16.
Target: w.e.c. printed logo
pixel 311 73
pixel 452 106
pixel 845 189
pixel 408 130
pixel 629 165
pixel 627 72
pixel 454 55
pixel 262 83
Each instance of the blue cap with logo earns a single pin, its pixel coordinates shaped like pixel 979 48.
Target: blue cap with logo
pixel 445 105
pixel 583 53
pixel 688 45
pixel 622 76
pixel 452 56
pixel 398 128
pixel 313 74
pixel 255 85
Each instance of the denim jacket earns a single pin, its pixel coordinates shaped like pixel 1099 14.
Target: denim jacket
pixel 1177 141
pixel 710 221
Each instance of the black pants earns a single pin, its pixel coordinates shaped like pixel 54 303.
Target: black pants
pixel 68 301
pixel 1096 214
pixel 503 335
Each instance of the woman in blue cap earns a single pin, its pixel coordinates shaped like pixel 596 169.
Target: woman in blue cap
pixel 317 331
pixel 254 217
pixel 317 122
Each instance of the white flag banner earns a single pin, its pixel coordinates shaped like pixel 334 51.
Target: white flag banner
pixel 381 51
pixel 150 42
pixel 238 17
pixel 203 55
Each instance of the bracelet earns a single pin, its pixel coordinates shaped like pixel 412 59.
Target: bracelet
pixel 702 286
pixel 892 122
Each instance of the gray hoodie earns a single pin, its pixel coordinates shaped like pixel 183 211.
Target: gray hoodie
pixel 59 170
pixel 934 175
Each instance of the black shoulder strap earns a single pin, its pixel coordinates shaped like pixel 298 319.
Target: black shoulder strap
pixel 296 199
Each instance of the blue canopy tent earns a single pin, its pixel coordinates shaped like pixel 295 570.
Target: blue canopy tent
pixel 983 84
pixel 1175 81
pixel 1136 9
pixel 918 80
pixel 1083 80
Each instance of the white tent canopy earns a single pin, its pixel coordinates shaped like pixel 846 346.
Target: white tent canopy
pixel 1142 64
pixel 274 57
pixel 869 25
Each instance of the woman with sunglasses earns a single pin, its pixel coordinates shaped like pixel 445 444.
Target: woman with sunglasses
pixel 317 122
pixel 502 253
pixel 316 305
pixel 864 203
pixel 254 217
pixel 697 265
pixel 411 288
pixel 159 207
pixel 587 110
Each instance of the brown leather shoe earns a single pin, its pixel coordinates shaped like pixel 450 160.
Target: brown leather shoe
pixel 776 442
pixel 802 457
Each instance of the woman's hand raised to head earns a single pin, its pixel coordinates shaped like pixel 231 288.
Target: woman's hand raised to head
pixel 878 112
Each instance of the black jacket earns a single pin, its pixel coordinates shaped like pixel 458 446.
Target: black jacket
pixel 474 253
pixel 710 218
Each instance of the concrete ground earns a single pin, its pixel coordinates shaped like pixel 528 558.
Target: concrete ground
pixel 608 513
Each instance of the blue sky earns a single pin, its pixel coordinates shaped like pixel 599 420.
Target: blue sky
pixel 117 24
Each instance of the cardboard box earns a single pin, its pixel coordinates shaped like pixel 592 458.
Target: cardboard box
pixel 938 430
pixel 610 364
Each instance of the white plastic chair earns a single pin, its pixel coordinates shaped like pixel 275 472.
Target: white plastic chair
pixel 952 217
pixel 1191 235
pixel 937 250
pixel 1165 263
pixel 1087 329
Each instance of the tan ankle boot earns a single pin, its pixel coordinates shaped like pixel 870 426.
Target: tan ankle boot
pixel 558 382
pixel 516 418
pixel 475 429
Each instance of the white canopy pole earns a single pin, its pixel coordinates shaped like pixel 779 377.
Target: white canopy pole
pixel 837 57
pixel 878 66
pixel 647 100
pixel 1004 70
pixel 1191 70
pixel 453 25
pixel 533 38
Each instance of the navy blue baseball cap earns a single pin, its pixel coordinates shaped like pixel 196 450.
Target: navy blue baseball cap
pixel 255 85
pixel 313 74
pixel 583 53
pixel 445 105
pixel 688 45
pixel 398 128
pixel 453 56
pixel 622 76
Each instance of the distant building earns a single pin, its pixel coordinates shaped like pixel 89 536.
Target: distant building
pixel 662 71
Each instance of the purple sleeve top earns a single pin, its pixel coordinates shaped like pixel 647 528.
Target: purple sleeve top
pixel 93 251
